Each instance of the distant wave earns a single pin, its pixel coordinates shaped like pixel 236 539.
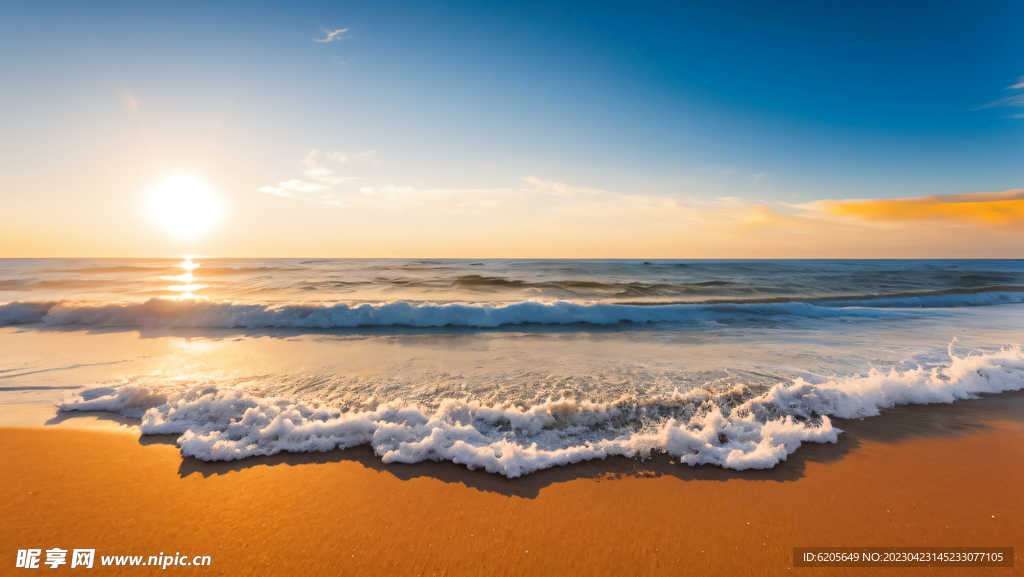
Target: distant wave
pixel 958 297
pixel 948 298
pixel 222 314
pixel 739 428
pixel 226 314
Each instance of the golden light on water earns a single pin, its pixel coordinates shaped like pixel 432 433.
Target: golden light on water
pixel 188 278
pixel 184 206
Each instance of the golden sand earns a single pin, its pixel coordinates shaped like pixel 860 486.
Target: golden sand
pixel 345 513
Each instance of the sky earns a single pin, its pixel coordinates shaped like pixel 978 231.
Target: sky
pixel 534 130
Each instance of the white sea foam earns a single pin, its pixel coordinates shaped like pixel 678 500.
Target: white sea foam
pixel 736 428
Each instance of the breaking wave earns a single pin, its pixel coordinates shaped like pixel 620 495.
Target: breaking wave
pixel 738 428
pixel 220 314
pixel 205 313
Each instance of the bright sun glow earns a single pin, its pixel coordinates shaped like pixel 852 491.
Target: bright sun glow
pixel 184 206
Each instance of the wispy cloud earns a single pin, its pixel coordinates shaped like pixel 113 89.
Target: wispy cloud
pixel 395 198
pixel 130 102
pixel 273 190
pixel 327 175
pixel 1015 100
pixel 332 36
pixel 337 190
pixel 368 156
pixel 301 186
pixel 758 177
pixel 563 190
pixel 321 173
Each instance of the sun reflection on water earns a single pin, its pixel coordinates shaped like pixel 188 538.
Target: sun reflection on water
pixel 188 279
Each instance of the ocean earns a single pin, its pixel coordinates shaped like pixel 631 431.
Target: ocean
pixel 511 366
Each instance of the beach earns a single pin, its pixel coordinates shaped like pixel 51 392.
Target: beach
pixel 943 475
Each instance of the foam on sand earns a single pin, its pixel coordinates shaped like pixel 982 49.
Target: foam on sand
pixel 737 428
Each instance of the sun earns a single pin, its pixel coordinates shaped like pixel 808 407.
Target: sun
pixel 184 206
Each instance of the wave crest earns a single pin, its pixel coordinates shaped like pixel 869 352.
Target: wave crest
pixel 223 314
pixel 737 428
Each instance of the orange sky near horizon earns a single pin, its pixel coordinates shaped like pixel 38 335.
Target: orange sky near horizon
pixel 544 219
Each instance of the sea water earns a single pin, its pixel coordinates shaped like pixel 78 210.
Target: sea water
pixel 507 365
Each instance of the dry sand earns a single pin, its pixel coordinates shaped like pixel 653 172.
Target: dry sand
pixel 939 476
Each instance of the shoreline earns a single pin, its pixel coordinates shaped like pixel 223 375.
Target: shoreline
pixel 931 475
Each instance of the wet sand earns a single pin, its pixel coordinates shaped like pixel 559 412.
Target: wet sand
pixel 948 475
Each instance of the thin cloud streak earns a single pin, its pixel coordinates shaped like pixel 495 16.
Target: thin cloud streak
pixel 272 190
pixel 322 173
pixel 302 186
pixel 1015 100
pixel 563 190
pixel 332 36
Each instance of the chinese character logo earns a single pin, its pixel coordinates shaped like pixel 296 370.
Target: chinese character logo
pixel 82 558
pixel 56 556
pixel 28 558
